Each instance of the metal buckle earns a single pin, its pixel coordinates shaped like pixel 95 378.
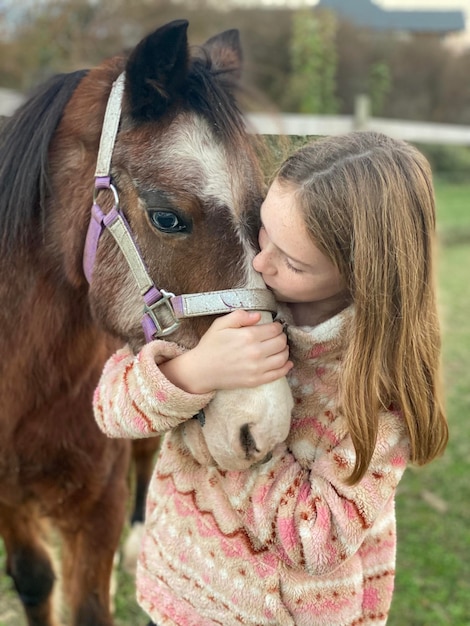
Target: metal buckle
pixel 165 301
pixel 111 187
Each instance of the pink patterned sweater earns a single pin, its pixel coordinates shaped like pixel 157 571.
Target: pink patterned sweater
pixel 284 543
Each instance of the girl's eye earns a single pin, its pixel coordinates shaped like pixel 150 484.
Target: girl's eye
pixel 292 268
pixel 168 222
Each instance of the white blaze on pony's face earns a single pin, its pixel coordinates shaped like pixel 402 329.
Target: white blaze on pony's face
pixel 201 162
pixel 219 178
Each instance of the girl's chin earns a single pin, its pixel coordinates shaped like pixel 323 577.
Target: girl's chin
pixel 275 292
pixel 280 297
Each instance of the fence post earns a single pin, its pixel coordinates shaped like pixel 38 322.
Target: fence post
pixel 361 111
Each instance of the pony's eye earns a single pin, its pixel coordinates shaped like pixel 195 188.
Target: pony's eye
pixel 168 222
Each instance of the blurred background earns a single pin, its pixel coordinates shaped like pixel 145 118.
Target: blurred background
pixel 317 68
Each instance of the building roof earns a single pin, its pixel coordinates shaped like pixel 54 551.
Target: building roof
pixel 366 13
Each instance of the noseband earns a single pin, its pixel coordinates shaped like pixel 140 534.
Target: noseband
pixel 163 310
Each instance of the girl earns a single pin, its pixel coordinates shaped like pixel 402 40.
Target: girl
pixel 307 538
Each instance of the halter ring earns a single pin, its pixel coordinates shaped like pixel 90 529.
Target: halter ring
pixel 102 187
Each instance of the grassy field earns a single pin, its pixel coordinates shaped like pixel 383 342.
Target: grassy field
pixel 433 503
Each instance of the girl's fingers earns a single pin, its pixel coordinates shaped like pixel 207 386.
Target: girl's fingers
pixel 269 331
pixel 276 361
pixel 241 319
pixel 282 371
pixel 274 346
pixel 261 365
pixel 273 374
pixel 237 319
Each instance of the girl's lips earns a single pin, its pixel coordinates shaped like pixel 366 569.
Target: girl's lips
pixel 266 283
pixel 276 294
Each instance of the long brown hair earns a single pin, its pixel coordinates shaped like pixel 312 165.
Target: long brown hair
pixel 368 202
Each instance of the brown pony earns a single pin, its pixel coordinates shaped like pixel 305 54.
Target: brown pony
pixel 187 182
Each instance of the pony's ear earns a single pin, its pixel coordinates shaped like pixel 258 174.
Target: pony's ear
pixel 156 70
pixel 226 52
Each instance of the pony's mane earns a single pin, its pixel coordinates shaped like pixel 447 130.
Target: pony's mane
pixel 24 144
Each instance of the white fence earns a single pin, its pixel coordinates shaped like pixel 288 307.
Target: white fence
pixel 296 124
pixel 9 101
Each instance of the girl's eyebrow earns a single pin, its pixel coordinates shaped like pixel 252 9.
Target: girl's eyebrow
pixel 289 256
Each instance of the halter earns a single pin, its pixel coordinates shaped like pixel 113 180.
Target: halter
pixel 163 310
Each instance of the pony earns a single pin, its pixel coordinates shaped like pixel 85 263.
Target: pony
pixel 182 175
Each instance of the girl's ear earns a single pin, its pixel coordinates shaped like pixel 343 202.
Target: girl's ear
pixel 156 70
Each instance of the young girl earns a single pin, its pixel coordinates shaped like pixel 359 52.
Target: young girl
pixel 307 538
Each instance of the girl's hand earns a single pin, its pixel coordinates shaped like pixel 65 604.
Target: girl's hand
pixel 234 352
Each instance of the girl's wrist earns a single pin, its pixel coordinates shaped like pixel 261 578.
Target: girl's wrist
pixel 184 372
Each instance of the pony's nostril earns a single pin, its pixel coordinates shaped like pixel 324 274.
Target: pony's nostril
pixel 267 458
pixel 247 441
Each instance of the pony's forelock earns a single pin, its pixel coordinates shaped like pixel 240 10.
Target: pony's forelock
pixel 210 93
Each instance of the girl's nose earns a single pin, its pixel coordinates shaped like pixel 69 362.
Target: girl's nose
pixel 262 263
pixel 257 263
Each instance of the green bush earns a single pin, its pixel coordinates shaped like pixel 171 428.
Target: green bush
pixel 450 163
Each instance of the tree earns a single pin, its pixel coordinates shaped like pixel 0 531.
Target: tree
pixel 313 62
pixel 379 86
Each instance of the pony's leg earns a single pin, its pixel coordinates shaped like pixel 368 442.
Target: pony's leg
pixel 143 459
pixel 28 563
pixel 91 537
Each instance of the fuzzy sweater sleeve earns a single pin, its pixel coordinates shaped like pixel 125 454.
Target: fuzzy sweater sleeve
pixel 304 513
pixel 133 398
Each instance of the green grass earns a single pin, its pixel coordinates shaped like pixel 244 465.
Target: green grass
pixel 128 612
pixel 433 503
pixel 453 207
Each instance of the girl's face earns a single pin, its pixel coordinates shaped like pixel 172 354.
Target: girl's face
pixel 289 262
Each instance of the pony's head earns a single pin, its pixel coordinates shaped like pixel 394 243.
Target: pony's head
pixel 187 175
pixel 188 184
